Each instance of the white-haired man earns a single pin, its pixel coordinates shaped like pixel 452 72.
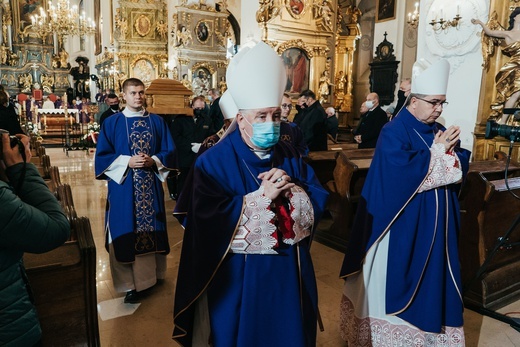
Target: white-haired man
pixel 260 177
pixel 332 122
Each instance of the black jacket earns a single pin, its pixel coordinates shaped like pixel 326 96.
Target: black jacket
pixel 370 126
pixel 312 123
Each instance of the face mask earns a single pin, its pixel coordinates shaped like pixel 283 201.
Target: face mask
pixel 298 108
pixel 400 95
pixel 198 112
pixel 210 98
pixel 369 104
pixel 265 135
pixel 304 105
pixel 114 107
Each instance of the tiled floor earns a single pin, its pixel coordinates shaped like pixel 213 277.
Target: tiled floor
pixel 151 323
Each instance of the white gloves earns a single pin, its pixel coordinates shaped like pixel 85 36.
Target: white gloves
pixel 195 147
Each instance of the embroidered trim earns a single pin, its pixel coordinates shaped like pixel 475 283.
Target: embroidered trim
pixel 373 332
pixel 257 232
pixel 254 235
pixel 302 214
pixel 444 168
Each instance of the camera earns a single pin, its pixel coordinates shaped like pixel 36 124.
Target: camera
pixel 510 132
pixel 13 140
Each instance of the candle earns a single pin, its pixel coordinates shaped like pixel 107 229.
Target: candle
pixel 409 17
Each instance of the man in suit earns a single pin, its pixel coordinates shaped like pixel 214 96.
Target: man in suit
pixel 371 123
pixel 188 133
pixel 214 110
pixel 311 121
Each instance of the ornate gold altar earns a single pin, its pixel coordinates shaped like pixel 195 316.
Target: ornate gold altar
pixel 316 40
pixel 490 103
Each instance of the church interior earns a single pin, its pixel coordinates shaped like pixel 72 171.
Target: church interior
pixel 340 49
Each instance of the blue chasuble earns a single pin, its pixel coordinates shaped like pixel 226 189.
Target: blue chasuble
pixel 423 274
pixel 135 215
pixel 254 300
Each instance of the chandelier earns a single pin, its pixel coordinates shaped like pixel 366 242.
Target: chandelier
pixel 62 19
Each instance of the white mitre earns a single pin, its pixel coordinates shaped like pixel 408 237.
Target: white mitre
pixel 256 77
pixel 430 79
pixel 227 105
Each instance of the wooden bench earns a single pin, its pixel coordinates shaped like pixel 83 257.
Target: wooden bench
pixel 487 212
pixel 63 282
pixel 351 168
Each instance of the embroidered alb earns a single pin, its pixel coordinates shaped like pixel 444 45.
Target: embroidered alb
pixel 444 168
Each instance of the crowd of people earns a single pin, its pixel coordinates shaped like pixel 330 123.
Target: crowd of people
pixel 249 204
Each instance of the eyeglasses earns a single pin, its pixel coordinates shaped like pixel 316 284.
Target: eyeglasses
pixel 443 104
pixel 289 106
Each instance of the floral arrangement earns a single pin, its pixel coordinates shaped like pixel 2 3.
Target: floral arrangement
pixel 31 128
pixel 92 134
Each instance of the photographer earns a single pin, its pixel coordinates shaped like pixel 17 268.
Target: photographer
pixel 32 221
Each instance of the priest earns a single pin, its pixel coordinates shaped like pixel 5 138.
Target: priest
pixel 401 265
pixel 245 275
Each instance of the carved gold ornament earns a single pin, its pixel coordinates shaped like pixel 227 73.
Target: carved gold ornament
pixel 296 8
pixel 295 44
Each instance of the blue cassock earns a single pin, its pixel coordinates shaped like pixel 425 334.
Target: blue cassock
pixel 268 300
pixel 422 255
pixel 135 212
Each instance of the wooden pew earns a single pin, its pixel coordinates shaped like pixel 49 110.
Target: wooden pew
pixel 324 162
pixel 63 282
pixel 487 212
pixel 349 176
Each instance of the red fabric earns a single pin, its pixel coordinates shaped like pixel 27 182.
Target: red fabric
pixel 284 221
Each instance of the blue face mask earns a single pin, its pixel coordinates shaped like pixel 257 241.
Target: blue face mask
pixel 265 135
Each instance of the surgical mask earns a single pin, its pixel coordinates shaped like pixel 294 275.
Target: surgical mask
pixel 369 104
pixel 265 135
pixel 210 98
pixel 115 107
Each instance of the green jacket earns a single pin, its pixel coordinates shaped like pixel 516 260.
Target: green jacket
pixel 30 221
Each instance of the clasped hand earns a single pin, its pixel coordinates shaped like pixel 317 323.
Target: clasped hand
pixel 449 138
pixel 140 161
pixel 275 182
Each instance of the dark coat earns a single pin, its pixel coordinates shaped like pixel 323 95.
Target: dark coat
pixel 34 224
pixel 312 123
pixel 9 120
pixel 186 131
pixel 215 113
pixel 370 126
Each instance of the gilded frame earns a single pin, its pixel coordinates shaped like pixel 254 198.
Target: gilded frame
pixel 203 30
pixel 385 10
pixel 22 12
pixel 296 8
pixel 297 69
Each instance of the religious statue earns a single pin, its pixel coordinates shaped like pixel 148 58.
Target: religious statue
pixel 267 10
pixel 121 78
pixel 222 85
pixel 507 80
pixel 13 58
pixel 4 54
pixel 25 82
pixel 47 83
pixel 162 29
pixel 352 14
pixel 183 37
pixel 121 24
pixel 341 81
pixel 323 12
pixel 64 59
pixel 175 73
pixel 185 81
pixel 324 87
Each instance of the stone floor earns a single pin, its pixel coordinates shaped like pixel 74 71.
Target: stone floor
pixel 150 323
